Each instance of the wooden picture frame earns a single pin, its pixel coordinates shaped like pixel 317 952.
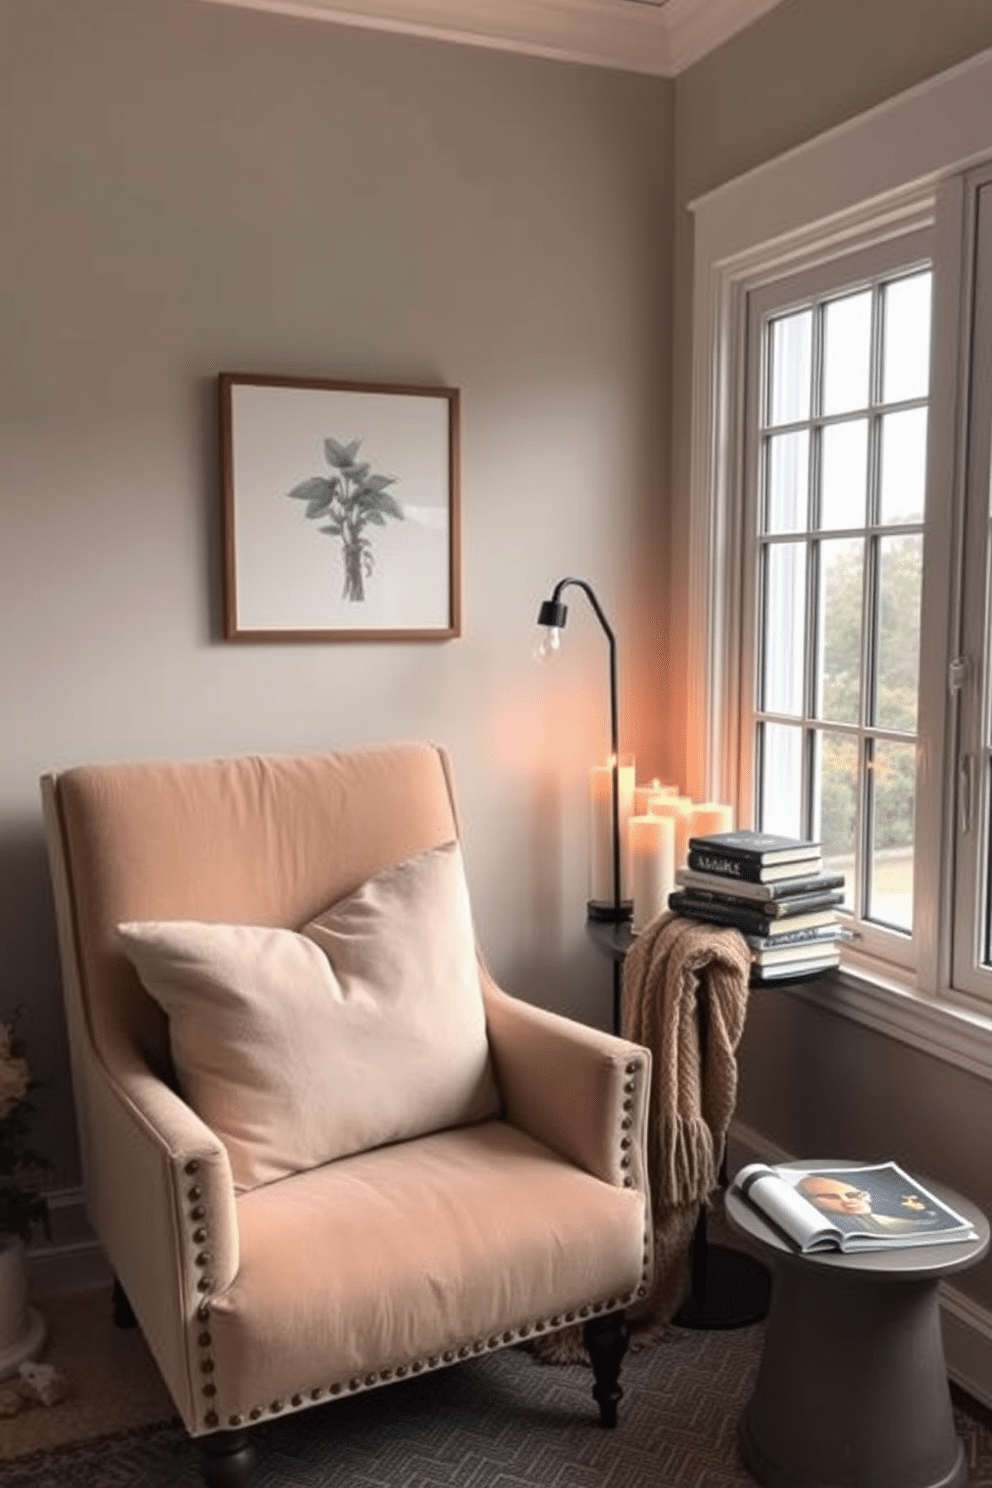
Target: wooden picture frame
pixel 340 510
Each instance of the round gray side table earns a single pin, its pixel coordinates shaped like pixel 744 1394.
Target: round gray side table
pixel 852 1390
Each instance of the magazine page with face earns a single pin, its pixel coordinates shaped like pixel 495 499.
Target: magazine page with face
pixel 864 1207
pixel 877 1200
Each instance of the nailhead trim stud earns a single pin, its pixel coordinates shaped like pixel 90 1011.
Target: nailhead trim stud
pixel 199 1235
pixel 449 1356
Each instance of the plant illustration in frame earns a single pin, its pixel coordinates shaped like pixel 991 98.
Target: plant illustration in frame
pixel 340 509
pixel 346 504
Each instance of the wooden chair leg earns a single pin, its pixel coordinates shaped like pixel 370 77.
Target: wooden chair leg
pixel 123 1316
pixel 226 1458
pixel 606 1339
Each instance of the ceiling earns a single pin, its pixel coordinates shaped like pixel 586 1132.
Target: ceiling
pixel 660 37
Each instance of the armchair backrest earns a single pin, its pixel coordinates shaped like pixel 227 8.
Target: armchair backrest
pixel 264 840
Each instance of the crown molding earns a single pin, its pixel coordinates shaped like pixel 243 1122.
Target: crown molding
pixel 696 27
pixel 659 39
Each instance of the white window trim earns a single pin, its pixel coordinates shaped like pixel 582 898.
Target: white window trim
pixel 971 976
pixel 883 173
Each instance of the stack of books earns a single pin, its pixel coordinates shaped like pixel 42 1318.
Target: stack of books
pixel 774 890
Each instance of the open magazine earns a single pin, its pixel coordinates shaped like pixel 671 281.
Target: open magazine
pixel 850 1208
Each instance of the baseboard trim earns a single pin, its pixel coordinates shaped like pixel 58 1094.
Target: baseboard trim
pixel 967 1326
pixel 58 1270
pixel 73 1260
pixel 967 1343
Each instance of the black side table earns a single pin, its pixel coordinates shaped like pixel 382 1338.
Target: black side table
pixel 729 1289
pixel 614 941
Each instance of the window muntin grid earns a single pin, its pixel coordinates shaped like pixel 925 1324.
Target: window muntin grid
pixel 841 480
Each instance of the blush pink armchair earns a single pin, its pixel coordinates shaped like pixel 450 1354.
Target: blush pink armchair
pixel 284 1255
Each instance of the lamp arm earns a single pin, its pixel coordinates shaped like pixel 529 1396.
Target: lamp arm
pixel 590 594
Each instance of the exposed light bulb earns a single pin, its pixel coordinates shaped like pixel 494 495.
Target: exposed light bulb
pixel 548 643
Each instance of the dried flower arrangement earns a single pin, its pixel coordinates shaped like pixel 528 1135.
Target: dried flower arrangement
pixel 22 1204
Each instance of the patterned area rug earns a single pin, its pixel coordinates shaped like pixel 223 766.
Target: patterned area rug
pixel 502 1421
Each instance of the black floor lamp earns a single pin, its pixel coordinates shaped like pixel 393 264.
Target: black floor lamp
pixel 729 1288
pixel 552 616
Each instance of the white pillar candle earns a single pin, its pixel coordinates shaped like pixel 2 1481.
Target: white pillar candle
pixel 679 808
pixel 601 830
pixel 643 794
pixel 652 854
pixel 709 817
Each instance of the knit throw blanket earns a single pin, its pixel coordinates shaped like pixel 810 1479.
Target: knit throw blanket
pixel 672 963
pixel 690 1104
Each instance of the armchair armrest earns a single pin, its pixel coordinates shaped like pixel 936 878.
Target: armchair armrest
pixel 164 1208
pixel 158 1181
pixel 576 1089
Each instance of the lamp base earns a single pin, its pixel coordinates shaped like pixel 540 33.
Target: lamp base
pixel 733 1291
pixel 606 910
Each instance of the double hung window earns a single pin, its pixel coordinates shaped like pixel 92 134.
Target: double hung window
pixel 859 541
pixel 840 579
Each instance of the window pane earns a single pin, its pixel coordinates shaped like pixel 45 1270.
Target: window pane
pixel 900 576
pixel 892 801
pixel 838 689
pixel 790 361
pixel 781 750
pixel 904 466
pixel 844 469
pixel 783 638
pixel 846 353
pixel 837 798
pixel 788 482
pixel 906 340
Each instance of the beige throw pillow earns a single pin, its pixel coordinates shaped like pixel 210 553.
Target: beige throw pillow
pixel 365 1028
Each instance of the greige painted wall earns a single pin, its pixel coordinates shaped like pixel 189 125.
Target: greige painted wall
pixel 187 188
pixel 813 1082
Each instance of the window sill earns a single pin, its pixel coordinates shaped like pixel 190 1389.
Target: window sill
pixel 960 1036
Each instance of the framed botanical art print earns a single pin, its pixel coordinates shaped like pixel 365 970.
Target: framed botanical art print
pixel 339 510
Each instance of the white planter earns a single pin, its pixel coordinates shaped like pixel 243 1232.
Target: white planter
pixel 22 1327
